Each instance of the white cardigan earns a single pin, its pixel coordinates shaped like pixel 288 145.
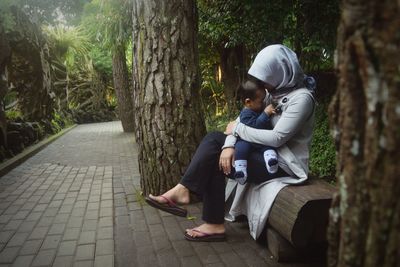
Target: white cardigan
pixel 291 136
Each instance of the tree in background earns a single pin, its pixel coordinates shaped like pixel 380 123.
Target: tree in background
pixel 365 218
pixel 110 23
pixel 236 30
pixel 169 121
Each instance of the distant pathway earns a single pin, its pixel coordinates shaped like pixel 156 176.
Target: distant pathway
pixel 78 203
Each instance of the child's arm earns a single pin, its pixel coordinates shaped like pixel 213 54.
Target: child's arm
pixel 258 121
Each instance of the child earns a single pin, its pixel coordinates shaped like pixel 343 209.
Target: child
pixel 254 115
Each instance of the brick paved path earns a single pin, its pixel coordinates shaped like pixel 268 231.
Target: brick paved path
pixel 78 203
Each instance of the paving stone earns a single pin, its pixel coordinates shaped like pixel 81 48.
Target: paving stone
pixel 40 207
pixel 93 206
pixel 45 222
pixel 104 261
pixel 61 218
pixel 78 212
pixel 105 247
pixel 31 247
pixel 34 216
pixel 44 258
pixel 18 239
pixel 206 254
pixel 59 196
pixel 66 209
pixel 87 237
pixel 39 233
pixel 105 233
pixel 85 252
pixel 91 215
pixel 67 248
pixel 232 259
pixel 5 218
pixel 83 263
pixel 12 210
pixel 29 206
pixel 5 236
pixel 57 229
pixel 71 234
pixel 106 212
pixel 191 261
pixel 89 225
pixel 80 204
pixel 106 221
pixel 9 254
pixel 168 258
pixel 21 215
pixel 63 261
pixel 50 212
pixel 75 222
pixel 27 226
pixel 51 242
pixel 23 261
pixel 183 249
pixel 161 244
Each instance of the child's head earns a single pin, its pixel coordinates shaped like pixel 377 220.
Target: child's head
pixel 251 95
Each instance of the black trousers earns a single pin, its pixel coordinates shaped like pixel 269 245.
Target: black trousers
pixel 204 178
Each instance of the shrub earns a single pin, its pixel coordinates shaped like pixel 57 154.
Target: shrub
pixel 322 156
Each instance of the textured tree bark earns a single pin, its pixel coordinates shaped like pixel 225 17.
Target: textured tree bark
pixel 5 57
pixel 122 89
pixel 168 118
pixel 365 114
pixel 232 66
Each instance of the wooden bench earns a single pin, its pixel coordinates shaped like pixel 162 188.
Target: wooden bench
pixel 298 220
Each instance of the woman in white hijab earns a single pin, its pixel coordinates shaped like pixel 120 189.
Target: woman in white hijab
pixel 276 68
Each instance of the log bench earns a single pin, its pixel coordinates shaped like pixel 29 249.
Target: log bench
pixel 298 220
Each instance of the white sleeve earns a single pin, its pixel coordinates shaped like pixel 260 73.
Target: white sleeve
pixel 230 140
pixel 298 110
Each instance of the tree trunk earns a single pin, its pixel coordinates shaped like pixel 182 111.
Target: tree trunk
pixel 5 57
pixel 122 89
pixel 232 66
pixel 365 113
pixel 168 118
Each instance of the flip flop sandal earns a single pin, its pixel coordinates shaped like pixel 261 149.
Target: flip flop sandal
pixel 204 237
pixel 169 206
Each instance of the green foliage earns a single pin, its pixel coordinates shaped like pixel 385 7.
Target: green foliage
pixel 47 12
pixel 59 122
pixel 13 114
pixel 7 20
pixel 101 60
pixel 322 158
pixel 69 43
pixel 108 22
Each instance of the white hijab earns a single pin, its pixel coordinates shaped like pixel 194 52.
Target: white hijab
pixel 278 66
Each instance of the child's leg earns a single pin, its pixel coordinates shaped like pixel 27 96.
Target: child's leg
pixel 271 159
pixel 242 150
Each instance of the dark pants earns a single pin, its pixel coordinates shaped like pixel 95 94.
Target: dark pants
pixel 244 148
pixel 204 178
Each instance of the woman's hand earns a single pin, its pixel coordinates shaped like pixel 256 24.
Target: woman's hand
pixel 230 127
pixel 226 160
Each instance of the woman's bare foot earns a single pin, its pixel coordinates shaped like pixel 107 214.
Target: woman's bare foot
pixel 206 228
pixel 178 194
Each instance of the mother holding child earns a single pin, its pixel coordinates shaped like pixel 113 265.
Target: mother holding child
pixel 270 142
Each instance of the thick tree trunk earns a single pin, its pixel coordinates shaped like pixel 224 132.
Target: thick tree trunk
pixel 169 122
pixel 365 218
pixel 5 57
pixel 122 89
pixel 232 66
